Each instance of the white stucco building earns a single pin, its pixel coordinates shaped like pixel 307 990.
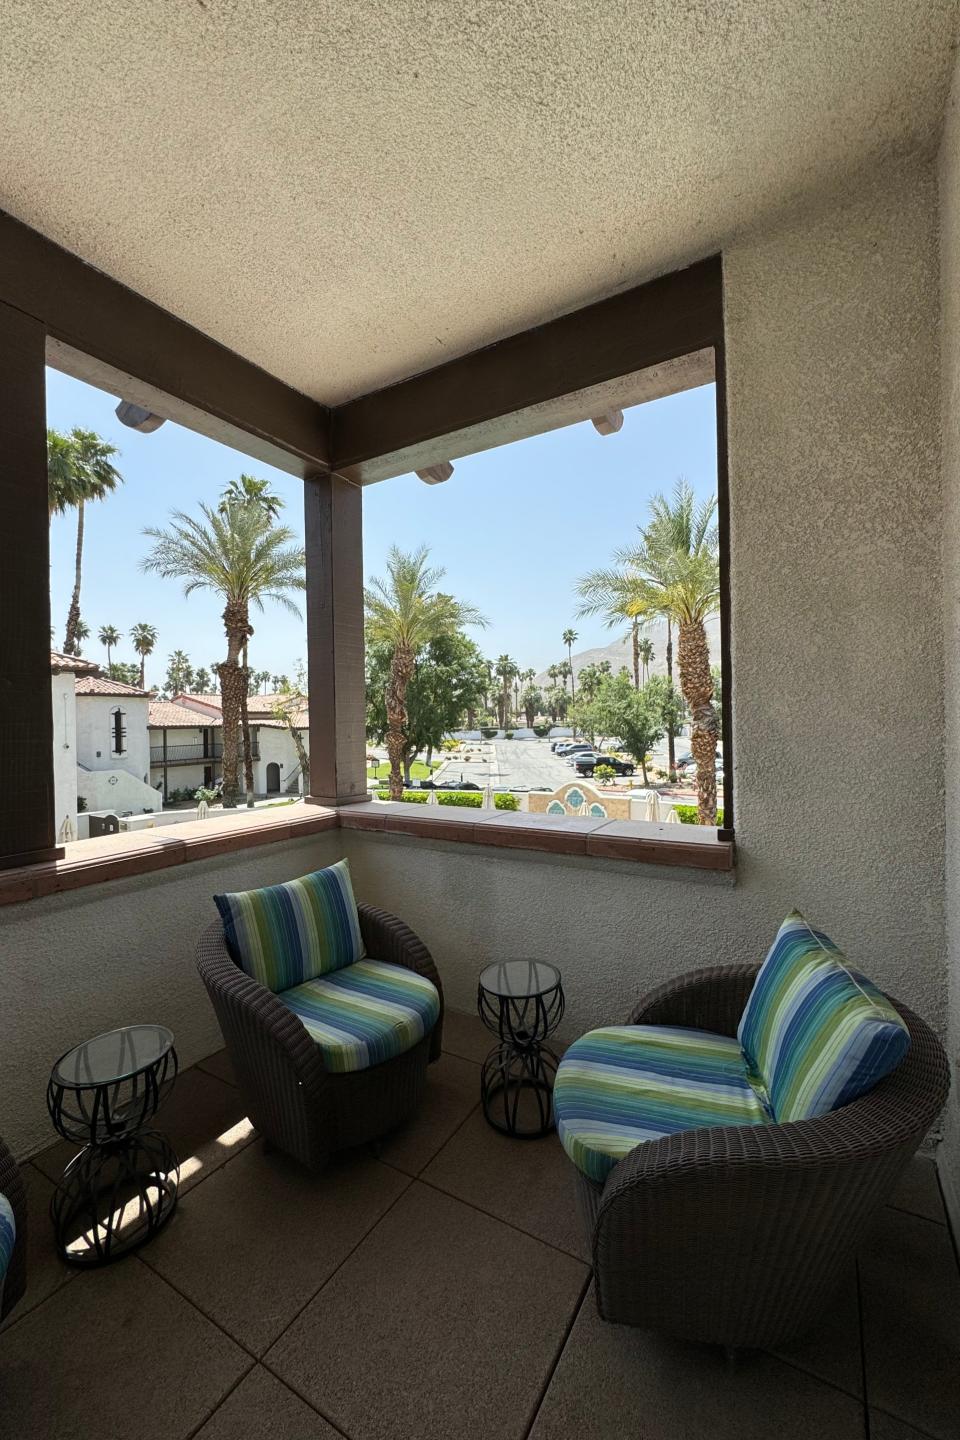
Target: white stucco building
pixel 65 670
pixel 276 763
pixel 112 746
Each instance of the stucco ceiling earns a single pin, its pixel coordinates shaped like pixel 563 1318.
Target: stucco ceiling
pixel 347 193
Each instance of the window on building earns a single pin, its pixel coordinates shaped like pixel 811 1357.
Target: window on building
pixel 118 732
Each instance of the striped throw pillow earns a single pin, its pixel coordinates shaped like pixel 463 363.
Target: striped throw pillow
pixel 286 934
pixel 8 1236
pixel 815 1034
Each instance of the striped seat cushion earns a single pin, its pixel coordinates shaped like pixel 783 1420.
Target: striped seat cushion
pixel 814 1033
pixel 8 1235
pixel 365 1013
pixel 283 935
pixel 622 1085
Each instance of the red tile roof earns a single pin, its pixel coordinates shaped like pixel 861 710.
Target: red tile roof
pixel 167 714
pixel 101 685
pixel 71 665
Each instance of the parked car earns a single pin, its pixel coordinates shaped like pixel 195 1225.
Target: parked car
pixel 577 748
pixel 450 785
pixel 586 764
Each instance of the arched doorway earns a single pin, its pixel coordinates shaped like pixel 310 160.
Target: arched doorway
pixel 273 778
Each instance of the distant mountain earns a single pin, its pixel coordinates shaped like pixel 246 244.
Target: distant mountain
pixel 620 652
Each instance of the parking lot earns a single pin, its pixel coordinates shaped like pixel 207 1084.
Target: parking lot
pixel 511 764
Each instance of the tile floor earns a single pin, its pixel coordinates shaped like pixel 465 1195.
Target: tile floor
pixel 438 1290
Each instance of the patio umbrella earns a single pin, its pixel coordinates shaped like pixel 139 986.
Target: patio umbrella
pixel 67 831
pixel 653 811
pixel 672 817
pixel 203 810
pixel 488 801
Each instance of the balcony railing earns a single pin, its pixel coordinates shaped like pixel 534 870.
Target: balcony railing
pixel 196 754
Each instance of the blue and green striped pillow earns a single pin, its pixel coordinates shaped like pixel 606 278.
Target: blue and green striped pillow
pixel 814 1034
pixel 284 935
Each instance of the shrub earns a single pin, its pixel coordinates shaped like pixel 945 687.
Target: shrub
pixel 506 802
pixel 412 797
pixel 449 745
pixel 605 773
pixel 204 794
pixel 81 804
pixel 687 814
pixel 542 731
pixel 489 732
pixel 470 799
pixel 509 734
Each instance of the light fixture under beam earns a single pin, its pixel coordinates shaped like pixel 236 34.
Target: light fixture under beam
pixel 608 423
pixel 436 474
pixel 138 418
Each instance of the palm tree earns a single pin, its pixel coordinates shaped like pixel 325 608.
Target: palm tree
pixel 256 495
pixel 645 654
pixel 405 612
pixel 677 562
pixel 506 668
pixel 248 490
pixel 239 554
pixel 82 632
pixel 569 637
pixel 109 636
pixel 201 679
pixel 78 471
pixel 144 639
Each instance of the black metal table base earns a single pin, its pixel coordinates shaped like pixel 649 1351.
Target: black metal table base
pixel 114 1196
pixel 516 1085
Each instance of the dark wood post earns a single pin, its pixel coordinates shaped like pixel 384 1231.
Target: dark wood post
pixel 335 672
pixel 27 821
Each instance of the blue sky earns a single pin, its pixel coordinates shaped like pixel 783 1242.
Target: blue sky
pixel 514 527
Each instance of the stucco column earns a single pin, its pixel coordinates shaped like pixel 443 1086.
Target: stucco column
pixel 335 670
pixel 27 830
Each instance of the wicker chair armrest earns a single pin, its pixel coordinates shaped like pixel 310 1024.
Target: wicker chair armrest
pixel 12 1186
pixel 711 999
pixel 278 1025
pixel 388 939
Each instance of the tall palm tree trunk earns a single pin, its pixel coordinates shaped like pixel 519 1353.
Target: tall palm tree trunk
pixel 232 680
pixel 401 673
pixel 73 614
pixel 245 726
pixel 696 683
pixel 671 747
pixel 143 670
pixel 635 638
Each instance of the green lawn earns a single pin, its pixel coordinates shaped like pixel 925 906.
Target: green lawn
pixel 418 771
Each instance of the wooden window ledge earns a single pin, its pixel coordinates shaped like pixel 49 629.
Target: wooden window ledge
pixel 112 857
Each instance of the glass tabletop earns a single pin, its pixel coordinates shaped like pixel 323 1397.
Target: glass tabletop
pixel 519 979
pixel 114 1056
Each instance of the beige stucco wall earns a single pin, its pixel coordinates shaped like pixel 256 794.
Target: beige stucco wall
pixel 950 346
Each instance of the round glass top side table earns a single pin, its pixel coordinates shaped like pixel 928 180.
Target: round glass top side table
pixel 521 1001
pixel 122 1187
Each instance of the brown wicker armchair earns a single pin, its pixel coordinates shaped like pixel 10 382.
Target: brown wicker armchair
pixel 294 1101
pixel 14 1283
pixel 739 1235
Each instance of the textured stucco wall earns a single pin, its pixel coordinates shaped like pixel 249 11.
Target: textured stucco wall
pixel 950 347
pixel 64 749
pixel 95 733
pixel 80 963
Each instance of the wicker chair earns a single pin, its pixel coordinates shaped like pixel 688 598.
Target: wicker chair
pixel 740 1235
pixel 298 1105
pixel 14 1282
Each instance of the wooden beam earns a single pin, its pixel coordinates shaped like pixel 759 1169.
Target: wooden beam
pixel 333 534
pixel 107 334
pixel 376 436
pixel 27 822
